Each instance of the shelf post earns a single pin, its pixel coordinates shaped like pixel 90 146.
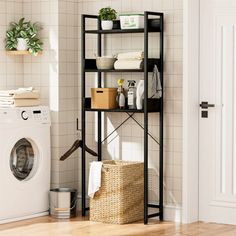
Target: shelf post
pixel 99 52
pixel 145 118
pixel 161 117
pixel 83 118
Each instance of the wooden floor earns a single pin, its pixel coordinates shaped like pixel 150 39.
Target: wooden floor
pixel 46 226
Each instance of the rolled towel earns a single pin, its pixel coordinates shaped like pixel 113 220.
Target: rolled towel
pixel 128 64
pixel 95 175
pixel 20 93
pixel 131 55
pixel 26 94
pixel 19 103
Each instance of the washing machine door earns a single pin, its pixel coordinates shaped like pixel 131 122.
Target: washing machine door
pixel 23 160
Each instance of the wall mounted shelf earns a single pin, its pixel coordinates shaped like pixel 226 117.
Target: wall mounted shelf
pixel 17 53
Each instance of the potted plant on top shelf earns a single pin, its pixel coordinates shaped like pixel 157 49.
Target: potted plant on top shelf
pixel 107 15
pixel 23 36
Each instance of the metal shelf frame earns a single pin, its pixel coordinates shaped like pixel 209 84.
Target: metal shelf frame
pixel 145 31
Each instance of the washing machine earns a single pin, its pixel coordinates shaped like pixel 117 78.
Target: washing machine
pixel 24 162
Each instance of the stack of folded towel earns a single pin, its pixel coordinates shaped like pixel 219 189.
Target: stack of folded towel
pixel 129 60
pixel 21 97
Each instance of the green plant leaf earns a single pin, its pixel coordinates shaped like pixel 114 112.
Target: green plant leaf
pixel 28 31
pixel 23 34
pixel 21 22
pixel 107 13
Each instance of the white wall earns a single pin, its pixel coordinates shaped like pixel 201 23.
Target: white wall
pixel 55 74
pixel 127 142
pixel 11 70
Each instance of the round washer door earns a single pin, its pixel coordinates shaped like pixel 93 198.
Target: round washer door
pixel 23 159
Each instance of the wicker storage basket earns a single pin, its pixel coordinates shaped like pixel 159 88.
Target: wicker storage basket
pixel 120 198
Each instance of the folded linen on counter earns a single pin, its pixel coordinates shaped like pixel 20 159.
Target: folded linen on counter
pixel 20 93
pixel 128 64
pixel 95 174
pixel 19 102
pixel 131 55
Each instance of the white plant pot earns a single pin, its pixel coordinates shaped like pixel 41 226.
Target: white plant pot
pixel 21 44
pixel 107 24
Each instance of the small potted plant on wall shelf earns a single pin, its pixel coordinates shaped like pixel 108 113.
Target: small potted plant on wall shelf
pixel 107 15
pixel 22 38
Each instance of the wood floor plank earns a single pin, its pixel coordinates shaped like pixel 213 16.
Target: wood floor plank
pixel 47 226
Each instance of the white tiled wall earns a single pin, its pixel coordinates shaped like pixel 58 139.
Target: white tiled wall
pixel 68 74
pixel 11 70
pixel 42 72
pixel 127 142
pixel 55 74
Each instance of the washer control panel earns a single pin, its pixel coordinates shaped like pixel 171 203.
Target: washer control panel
pixel 39 114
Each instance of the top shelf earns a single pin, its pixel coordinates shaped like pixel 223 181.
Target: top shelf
pixel 153 26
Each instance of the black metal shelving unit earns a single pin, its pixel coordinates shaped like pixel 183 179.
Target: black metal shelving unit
pixel 151 25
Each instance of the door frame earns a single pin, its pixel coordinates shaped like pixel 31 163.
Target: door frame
pixel 190 162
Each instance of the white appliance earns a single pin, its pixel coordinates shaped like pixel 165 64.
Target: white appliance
pixel 24 162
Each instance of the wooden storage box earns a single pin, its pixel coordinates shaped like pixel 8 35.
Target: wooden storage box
pixel 121 196
pixel 103 98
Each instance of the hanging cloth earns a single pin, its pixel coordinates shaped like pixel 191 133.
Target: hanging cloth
pixel 156 83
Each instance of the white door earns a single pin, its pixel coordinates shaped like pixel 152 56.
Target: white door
pixel 217 139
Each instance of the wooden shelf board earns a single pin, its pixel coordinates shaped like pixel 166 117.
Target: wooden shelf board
pixel 15 52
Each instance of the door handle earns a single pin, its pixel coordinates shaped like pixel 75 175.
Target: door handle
pixel 205 105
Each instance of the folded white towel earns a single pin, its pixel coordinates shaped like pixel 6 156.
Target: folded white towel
pixel 128 64
pixel 95 175
pixel 131 55
pixel 19 102
pixel 20 93
pixel 26 89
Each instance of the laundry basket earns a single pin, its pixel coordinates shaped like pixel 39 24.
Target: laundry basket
pixel 63 203
pixel 120 198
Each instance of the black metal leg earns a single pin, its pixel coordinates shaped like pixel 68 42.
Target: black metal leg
pixel 161 123
pixel 83 118
pixel 99 52
pixel 145 118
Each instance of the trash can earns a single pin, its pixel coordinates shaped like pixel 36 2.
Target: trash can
pixel 63 202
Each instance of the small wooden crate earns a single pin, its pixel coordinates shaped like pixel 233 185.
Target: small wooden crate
pixel 120 199
pixel 103 98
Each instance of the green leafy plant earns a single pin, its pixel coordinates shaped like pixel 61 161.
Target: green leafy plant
pixel 26 30
pixel 107 13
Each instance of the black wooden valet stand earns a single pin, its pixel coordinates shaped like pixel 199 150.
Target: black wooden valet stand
pixel 153 25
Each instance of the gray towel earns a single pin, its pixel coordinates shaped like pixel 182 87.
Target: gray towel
pixel 156 83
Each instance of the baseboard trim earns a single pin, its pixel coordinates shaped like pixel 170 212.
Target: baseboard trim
pixel 9 220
